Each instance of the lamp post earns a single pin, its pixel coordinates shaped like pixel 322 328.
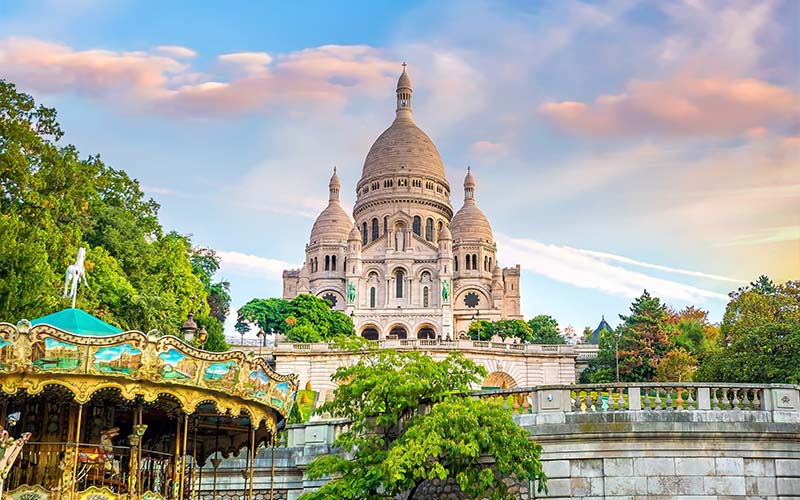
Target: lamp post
pixel 263 336
pixel 202 336
pixel 616 352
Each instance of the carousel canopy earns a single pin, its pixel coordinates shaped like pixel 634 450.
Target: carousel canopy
pixel 78 322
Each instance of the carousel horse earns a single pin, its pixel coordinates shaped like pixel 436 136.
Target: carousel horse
pixel 102 454
pixel 75 274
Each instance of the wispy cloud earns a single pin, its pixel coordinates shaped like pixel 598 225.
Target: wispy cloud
pixel 589 269
pixel 683 105
pixel 767 236
pixel 162 80
pixel 252 265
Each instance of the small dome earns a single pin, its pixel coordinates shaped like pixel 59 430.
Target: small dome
pixel 470 223
pixel 404 82
pixel 355 234
pixel 497 272
pixel 333 223
pixel 445 234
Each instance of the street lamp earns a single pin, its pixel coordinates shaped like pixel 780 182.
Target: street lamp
pixel 202 336
pixel 616 352
pixel 263 336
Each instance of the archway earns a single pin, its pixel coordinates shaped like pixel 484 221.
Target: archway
pixel 499 380
pixel 399 332
pixel 370 333
pixel 426 332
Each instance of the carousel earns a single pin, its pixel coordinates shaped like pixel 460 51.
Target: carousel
pixel 95 413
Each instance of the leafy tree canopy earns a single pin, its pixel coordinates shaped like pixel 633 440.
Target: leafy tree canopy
pixel 305 318
pixel 545 330
pixel 760 336
pixel 52 202
pixel 394 448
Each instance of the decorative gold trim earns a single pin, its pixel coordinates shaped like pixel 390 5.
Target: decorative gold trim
pixel 95 493
pixel 17 494
pixel 136 364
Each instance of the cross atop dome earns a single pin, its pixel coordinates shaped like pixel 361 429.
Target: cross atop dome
pixel 334 186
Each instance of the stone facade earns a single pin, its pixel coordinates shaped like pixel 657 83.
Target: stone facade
pixel 408 267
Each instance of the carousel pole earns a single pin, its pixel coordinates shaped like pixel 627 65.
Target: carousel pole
pixel 183 454
pixel 75 455
pixel 215 463
pixel 272 471
pixel 176 471
pixel 252 457
pixel 192 491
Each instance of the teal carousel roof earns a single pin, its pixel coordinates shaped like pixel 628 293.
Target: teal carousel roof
pixel 78 322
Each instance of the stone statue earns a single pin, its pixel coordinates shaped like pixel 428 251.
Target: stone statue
pixel 445 290
pixel 400 242
pixel 351 292
pixel 75 273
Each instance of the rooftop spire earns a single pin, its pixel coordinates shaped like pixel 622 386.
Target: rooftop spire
pixel 404 94
pixel 469 186
pixel 334 185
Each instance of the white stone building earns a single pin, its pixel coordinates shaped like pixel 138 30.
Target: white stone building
pixel 407 267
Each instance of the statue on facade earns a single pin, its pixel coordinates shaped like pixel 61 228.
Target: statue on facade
pixel 445 290
pixel 75 273
pixel 351 292
pixel 400 240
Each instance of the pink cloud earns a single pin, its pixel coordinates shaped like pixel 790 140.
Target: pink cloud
pixel 160 81
pixel 681 106
pixel 488 147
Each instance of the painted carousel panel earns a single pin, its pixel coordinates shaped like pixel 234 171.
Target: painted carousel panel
pixel 58 356
pixel 122 359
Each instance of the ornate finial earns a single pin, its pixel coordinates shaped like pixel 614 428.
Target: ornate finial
pixel 404 66
pixel 334 169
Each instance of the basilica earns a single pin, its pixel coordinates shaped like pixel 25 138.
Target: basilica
pixel 407 267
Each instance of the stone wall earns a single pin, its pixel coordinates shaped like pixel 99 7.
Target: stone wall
pixel 711 442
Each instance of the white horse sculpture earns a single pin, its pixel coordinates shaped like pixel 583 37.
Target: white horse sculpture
pixel 75 273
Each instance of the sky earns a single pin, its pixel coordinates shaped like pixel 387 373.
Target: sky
pixel 617 145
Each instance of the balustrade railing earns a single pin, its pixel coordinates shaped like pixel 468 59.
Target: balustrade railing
pixel 547 349
pixel 637 397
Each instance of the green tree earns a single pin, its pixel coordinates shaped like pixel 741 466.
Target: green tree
pixel 393 448
pixel 545 330
pixel 481 330
pixel 305 318
pixel 512 328
pixel 52 202
pixel 678 365
pixel 760 336
pixel 267 314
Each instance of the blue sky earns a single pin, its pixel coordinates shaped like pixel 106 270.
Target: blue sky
pixel 617 145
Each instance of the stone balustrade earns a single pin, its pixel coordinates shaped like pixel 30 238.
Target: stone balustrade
pixel 429 344
pixel 646 396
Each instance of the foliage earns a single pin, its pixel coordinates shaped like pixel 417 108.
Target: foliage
pixel 52 202
pixel 393 447
pixel 677 365
pixel 304 317
pixel 481 330
pixel 760 336
pixel 205 263
pixel 643 339
pixel 545 330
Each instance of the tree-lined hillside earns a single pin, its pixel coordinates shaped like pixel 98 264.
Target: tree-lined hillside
pixel 53 201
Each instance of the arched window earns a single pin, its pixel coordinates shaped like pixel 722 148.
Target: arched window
pixel 327 263
pixel 417 225
pixel 316 266
pixel 441 225
pixel 399 277
pixel 485 263
pixel 385 225
pixel 490 264
pixel 333 262
pixel 370 333
pixel 466 262
pixel 372 297
pixel 425 297
pixel 374 229
pixel 474 262
pixel 455 264
pixel 429 229
pixel 364 234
